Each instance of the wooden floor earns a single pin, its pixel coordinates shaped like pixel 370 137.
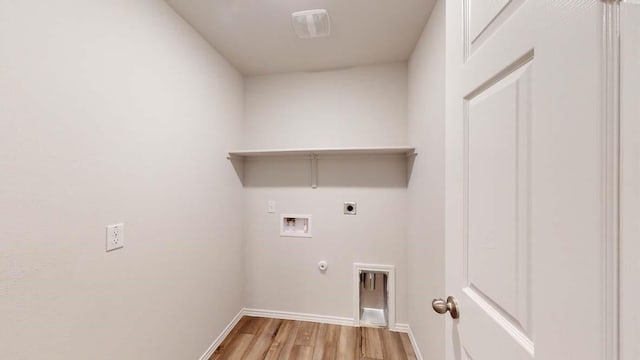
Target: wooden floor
pixel 261 338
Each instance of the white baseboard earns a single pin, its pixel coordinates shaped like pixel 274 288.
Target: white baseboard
pixel 403 328
pixel 416 349
pixel 222 335
pixel 285 315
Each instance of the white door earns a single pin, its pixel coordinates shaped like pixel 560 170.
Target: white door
pixel 630 181
pixel 527 165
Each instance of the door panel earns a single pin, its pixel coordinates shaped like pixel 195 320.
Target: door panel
pixel 482 18
pixel 497 203
pixel 488 334
pixel 524 179
pixel 481 13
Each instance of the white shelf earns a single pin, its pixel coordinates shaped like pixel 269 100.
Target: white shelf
pixel 313 154
pixel 389 150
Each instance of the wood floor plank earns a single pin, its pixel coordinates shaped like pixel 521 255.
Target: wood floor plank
pixel 283 341
pixel 326 346
pixel 408 347
pixel 252 325
pixel 238 347
pixel 256 338
pixel 358 342
pixel 217 354
pixel 307 333
pixel 263 340
pixel 372 344
pixel 272 328
pixel 348 341
pixel 392 345
pixel 301 352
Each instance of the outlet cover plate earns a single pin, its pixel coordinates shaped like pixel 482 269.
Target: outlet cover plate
pixel 115 236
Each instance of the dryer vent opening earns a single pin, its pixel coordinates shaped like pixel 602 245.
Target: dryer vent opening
pixel 374 299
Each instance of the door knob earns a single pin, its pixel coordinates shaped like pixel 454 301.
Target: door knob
pixel 451 305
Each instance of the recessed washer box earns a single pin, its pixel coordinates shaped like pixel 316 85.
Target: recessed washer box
pixel 294 225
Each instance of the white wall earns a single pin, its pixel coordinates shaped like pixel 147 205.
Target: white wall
pixel 362 106
pixel 355 107
pixel 115 111
pixel 426 185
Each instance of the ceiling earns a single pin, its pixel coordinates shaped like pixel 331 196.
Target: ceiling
pixel 257 36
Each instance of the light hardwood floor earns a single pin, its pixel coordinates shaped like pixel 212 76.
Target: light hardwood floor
pixel 262 338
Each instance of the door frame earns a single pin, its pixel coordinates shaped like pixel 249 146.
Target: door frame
pixel 629 190
pixel 611 57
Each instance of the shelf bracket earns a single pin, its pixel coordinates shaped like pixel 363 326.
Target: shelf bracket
pixel 314 171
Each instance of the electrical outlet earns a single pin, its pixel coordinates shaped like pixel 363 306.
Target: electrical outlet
pixel 115 236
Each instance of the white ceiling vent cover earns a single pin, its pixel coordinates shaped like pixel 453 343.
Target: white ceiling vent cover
pixel 310 24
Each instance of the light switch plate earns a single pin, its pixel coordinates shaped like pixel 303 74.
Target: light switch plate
pixel 271 206
pixel 115 236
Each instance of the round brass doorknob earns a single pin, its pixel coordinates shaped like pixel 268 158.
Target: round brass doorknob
pixel 451 305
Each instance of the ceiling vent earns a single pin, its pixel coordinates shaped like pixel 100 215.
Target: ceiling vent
pixel 311 24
